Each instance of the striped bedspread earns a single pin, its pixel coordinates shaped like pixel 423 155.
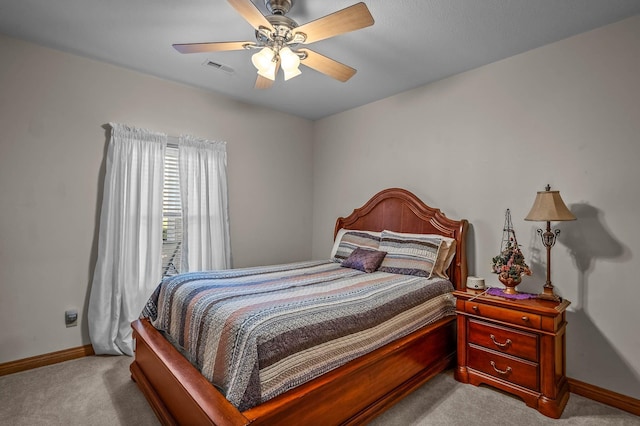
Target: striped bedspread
pixel 258 332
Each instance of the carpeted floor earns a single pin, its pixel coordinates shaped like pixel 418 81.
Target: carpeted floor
pixel 98 391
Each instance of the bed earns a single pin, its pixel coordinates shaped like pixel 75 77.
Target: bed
pixel 352 393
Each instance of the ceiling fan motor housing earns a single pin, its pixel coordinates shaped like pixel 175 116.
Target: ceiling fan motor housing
pixel 278 7
pixel 283 26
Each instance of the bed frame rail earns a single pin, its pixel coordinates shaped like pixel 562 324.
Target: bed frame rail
pixel 352 394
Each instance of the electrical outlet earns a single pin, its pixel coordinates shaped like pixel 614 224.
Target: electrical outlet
pixel 71 317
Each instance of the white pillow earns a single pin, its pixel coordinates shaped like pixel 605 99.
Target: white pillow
pixel 442 264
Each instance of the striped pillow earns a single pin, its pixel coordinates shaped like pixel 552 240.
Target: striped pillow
pixel 350 240
pixel 409 254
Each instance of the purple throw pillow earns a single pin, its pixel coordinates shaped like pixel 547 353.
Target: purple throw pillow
pixel 364 259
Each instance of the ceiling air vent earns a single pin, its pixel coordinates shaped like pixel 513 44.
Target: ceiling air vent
pixel 217 66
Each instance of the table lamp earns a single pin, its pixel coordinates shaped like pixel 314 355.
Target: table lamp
pixel 549 207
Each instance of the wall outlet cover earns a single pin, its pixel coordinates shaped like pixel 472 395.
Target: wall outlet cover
pixel 71 318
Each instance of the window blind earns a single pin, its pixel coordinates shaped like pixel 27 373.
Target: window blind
pixel 171 215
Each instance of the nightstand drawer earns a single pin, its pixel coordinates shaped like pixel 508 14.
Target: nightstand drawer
pixel 503 314
pixel 509 341
pixel 520 372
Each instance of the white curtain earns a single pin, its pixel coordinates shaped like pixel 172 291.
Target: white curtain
pixel 130 241
pixel 203 189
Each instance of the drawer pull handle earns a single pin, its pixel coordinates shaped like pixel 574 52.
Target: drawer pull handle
pixel 507 371
pixel 525 318
pixel 502 345
pixel 474 307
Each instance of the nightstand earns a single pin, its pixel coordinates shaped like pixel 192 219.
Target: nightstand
pixel 517 346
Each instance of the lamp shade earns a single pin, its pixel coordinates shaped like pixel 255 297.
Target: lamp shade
pixel 269 72
pixel 549 207
pixel 263 61
pixel 290 63
pixel 290 73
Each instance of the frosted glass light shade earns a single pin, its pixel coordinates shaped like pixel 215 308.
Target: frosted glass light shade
pixel 269 73
pixel 263 61
pixel 290 74
pixel 290 63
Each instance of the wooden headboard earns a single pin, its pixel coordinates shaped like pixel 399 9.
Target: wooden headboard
pixel 399 210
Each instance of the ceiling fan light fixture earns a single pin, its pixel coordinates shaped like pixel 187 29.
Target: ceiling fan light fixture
pixel 269 73
pixel 264 61
pixel 289 62
pixel 276 32
pixel 291 73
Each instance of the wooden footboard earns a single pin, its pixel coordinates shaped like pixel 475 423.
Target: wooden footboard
pixel 351 394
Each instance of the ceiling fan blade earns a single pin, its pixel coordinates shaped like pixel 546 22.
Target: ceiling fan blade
pixel 343 21
pixel 251 14
pixel 327 66
pixel 211 47
pixel 263 82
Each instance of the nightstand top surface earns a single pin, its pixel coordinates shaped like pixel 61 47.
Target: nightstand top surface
pixel 541 306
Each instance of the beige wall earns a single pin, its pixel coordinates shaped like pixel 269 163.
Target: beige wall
pixel 475 144
pixel 52 144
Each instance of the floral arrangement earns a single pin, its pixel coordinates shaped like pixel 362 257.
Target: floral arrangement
pixel 510 262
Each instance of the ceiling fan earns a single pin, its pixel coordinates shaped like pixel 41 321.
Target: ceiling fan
pixel 278 38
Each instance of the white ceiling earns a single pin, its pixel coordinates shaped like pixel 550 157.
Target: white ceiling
pixel 412 43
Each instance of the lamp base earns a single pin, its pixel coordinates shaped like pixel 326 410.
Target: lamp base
pixel 548 294
pixel 553 297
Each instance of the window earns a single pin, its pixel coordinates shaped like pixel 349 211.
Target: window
pixel 203 163
pixel 171 215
